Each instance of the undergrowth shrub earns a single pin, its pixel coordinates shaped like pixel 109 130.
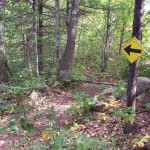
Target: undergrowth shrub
pixel 85 103
pixel 139 142
pixel 120 67
pixel 127 114
pixel 66 140
pixel 118 91
pixel 14 94
pixel 147 105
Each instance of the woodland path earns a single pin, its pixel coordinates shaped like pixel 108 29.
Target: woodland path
pixel 61 100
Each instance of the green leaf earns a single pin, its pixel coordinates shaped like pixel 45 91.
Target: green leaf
pixel 15 118
pixel 80 95
pixel 40 146
pixel 26 124
pixel 38 116
pixel 147 106
pixel 31 149
pixel 1 17
pixel 3 129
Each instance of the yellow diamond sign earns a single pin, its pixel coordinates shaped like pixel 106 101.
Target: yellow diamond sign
pixel 133 50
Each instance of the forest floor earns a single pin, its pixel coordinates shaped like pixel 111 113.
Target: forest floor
pixel 102 125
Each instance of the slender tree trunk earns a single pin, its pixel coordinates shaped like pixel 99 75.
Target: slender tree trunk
pixel 133 68
pixel 58 54
pixel 35 11
pixel 25 48
pixel 3 61
pixel 40 36
pixel 71 22
pixel 27 53
pixel 121 37
pixel 107 40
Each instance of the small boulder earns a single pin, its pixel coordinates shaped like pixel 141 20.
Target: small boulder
pixel 108 91
pixel 143 86
pixel 147 98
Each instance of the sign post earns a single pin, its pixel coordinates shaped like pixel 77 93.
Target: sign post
pixel 133 50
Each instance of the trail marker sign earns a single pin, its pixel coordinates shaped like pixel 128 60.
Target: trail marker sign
pixel 133 50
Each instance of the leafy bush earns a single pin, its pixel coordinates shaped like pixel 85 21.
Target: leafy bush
pixel 144 66
pixel 119 90
pixel 26 124
pixel 85 103
pixel 120 67
pixel 20 90
pixel 127 114
pixel 80 95
pixel 147 106
pixel 140 141
pixel 33 84
pixel 66 139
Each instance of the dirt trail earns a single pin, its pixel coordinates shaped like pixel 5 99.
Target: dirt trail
pixel 61 101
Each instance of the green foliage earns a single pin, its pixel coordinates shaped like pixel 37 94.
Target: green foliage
pixel 144 66
pixel 85 103
pixel 11 124
pixel 74 79
pixel 127 114
pixel 140 141
pixel 9 108
pixel 120 90
pixel 108 143
pixel 66 140
pixel 147 106
pixel 120 67
pixel 38 146
pixel 34 83
pixel 16 92
pixel 26 124
pixel 80 96
pixel 20 90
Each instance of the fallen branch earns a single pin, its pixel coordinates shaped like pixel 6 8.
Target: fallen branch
pixel 96 82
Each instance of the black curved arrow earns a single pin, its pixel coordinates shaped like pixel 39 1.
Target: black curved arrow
pixel 128 50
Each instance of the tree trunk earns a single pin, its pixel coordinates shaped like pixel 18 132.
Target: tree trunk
pixel 35 11
pixel 27 53
pixel 58 56
pixel 71 22
pixel 132 79
pixel 121 37
pixel 107 40
pixel 3 61
pixel 40 36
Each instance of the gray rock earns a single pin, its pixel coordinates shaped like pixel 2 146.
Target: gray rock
pixel 147 98
pixel 108 91
pixel 143 87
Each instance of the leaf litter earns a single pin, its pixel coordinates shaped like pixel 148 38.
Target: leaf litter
pixel 103 125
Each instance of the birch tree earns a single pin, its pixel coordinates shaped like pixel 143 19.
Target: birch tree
pixel 35 11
